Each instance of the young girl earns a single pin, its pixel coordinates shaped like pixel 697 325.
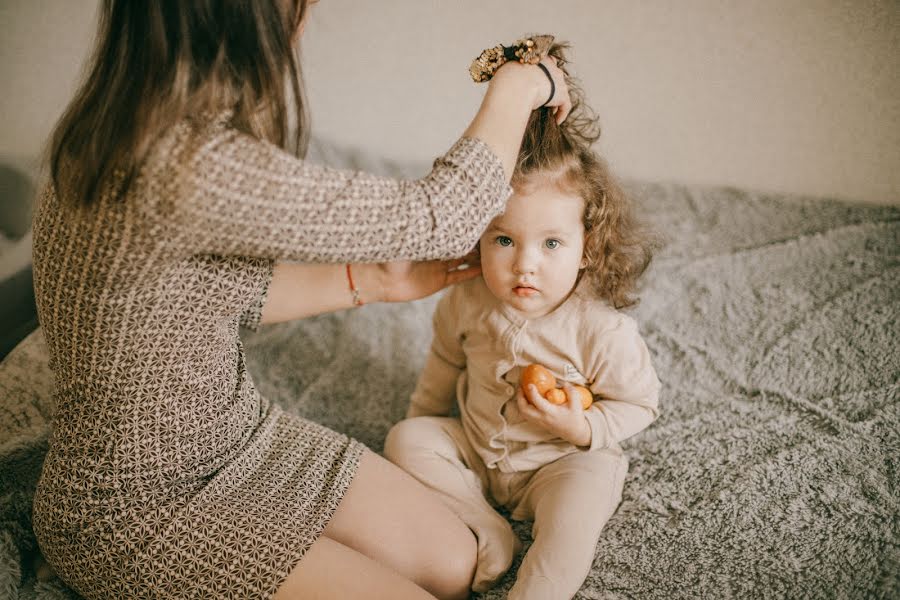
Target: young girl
pixel 176 213
pixel 557 264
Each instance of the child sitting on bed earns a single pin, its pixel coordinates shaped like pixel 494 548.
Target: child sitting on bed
pixel 557 264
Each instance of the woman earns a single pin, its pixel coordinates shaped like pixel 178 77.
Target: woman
pixel 173 210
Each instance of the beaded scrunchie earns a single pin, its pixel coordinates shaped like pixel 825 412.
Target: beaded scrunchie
pixel 528 50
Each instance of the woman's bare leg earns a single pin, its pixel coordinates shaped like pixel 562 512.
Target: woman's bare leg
pixel 390 517
pixel 331 571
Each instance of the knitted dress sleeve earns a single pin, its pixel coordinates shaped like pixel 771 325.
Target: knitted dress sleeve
pixel 218 191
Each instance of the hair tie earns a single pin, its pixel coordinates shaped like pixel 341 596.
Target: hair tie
pixel 552 84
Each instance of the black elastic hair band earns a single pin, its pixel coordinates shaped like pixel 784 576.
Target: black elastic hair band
pixel 552 85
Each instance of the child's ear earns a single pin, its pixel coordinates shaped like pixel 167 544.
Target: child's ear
pixel 584 262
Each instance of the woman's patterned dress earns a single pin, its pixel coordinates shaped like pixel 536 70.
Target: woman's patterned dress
pixel 167 473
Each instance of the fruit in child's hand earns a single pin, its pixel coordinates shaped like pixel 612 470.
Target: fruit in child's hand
pixel 585 395
pixel 545 382
pixel 558 396
pixel 539 376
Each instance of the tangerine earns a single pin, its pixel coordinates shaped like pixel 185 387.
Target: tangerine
pixel 558 396
pixel 539 376
pixel 585 395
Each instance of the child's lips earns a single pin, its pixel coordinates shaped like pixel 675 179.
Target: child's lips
pixel 524 291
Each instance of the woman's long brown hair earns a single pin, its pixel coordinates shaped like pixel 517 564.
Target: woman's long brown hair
pixel 617 248
pixel 159 62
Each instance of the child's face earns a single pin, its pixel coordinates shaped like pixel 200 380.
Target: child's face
pixel 531 254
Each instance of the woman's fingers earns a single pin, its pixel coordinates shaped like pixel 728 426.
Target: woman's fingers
pixel 562 111
pixel 462 271
pixel 473 257
pixel 560 101
pixel 413 280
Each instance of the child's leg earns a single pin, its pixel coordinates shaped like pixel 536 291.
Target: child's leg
pixel 570 500
pixel 436 452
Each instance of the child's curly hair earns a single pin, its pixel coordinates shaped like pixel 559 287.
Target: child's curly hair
pixel 617 250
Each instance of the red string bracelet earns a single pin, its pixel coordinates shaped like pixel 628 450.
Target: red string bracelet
pixel 357 301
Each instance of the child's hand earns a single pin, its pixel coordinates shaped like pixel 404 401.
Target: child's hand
pixel 565 420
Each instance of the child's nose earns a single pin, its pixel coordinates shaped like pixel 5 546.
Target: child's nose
pixel 526 262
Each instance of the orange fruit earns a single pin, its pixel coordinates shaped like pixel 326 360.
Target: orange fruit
pixel 558 396
pixel 586 397
pixel 539 376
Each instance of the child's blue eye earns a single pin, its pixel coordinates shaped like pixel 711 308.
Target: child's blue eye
pixel 503 240
pixel 552 244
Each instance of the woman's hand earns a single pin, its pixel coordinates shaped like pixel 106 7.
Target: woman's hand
pixel 561 103
pixel 514 92
pixel 407 280
pixel 301 290
pixel 565 420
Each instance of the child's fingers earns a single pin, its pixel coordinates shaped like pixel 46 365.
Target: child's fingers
pixel 521 402
pixel 572 398
pixel 529 398
pixel 538 401
pixel 525 408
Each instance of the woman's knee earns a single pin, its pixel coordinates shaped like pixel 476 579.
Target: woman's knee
pixel 444 559
pixel 457 560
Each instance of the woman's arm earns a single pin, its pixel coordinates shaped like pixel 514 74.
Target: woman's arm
pixel 209 189
pixel 303 290
pixel 218 191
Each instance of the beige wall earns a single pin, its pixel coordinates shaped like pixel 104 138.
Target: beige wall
pixel 42 46
pixel 782 95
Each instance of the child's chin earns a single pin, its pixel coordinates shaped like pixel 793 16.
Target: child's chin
pixel 529 306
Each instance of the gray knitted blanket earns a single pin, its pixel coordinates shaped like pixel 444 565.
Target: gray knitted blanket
pixel 773 470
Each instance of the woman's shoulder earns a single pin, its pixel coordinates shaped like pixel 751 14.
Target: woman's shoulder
pixel 184 138
pixel 198 152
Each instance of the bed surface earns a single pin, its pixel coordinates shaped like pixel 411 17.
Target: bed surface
pixel 772 471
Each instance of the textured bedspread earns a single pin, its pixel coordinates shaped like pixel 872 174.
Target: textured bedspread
pixel 773 470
